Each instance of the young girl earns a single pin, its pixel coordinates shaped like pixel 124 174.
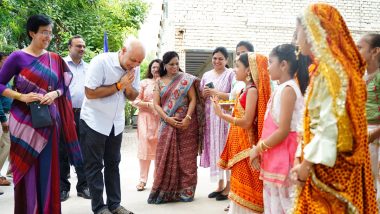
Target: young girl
pixel 278 142
pixel 246 192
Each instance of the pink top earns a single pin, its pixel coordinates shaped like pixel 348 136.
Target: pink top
pixel 277 161
pixel 147 123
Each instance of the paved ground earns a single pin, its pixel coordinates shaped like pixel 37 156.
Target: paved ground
pixel 131 199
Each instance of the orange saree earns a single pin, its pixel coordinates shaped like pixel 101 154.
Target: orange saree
pixel 347 186
pixel 246 187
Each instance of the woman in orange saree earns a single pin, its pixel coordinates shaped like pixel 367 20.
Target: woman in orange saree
pixel 246 192
pixel 335 171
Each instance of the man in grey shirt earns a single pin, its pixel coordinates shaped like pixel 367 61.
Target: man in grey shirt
pixel 111 80
pixel 78 68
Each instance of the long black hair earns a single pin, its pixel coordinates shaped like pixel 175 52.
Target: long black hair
pixel 223 51
pixel 149 74
pixel 165 60
pixel 243 58
pixel 298 64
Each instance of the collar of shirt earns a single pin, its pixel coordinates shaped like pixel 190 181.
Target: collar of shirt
pixel 115 60
pixel 69 59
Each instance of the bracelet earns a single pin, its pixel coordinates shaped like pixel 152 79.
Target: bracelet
pixel 118 86
pixel 17 96
pixel 261 144
pixel 57 93
pixel 147 104
pixel 268 147
pixel 188 116
pixel 261 147
pixel 166 118
pixel 234 121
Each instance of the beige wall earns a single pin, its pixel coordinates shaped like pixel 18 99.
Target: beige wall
pixel 205 24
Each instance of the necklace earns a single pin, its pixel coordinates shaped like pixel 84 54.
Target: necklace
pixel 171 76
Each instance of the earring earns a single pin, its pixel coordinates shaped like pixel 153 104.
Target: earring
pixel 297 51
pixel 248 78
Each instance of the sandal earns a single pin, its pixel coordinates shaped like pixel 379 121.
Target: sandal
pixel 227 208
pixel 4 182
pixel 141 186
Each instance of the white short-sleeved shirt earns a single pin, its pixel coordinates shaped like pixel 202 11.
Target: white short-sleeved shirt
pixel 102 114
pixel 77 83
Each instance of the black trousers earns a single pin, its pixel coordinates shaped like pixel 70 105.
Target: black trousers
pixel 99 149
pixel 64 165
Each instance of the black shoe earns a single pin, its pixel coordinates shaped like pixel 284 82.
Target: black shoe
pixel 221 197
pixel 214 194
pixel 64 195
pixel 85 193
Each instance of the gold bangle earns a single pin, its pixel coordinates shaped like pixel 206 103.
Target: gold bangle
pixel 17 96
pixel 234 121
pixel 261 144
pixel 261 147
pixel 268 147
pixel 188 116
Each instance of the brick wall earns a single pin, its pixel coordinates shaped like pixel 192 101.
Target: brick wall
pixel 205 24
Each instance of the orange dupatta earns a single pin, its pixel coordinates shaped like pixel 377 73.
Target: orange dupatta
pixel 246 187
pixel 347 187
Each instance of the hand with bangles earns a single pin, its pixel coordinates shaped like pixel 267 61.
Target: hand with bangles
pixel 29 97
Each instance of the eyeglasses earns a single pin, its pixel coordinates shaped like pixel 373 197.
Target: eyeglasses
pixel 47 33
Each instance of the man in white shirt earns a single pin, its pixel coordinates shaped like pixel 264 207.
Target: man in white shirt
pixel 78 68
pixel 112 78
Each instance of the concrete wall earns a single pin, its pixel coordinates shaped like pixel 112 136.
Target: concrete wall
pixel 205 24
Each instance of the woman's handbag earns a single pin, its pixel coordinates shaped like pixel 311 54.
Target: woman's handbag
pixel 40 113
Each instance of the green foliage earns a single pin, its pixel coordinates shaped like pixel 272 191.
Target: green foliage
pixel 89 18
pixel 144 65
pixel 130 110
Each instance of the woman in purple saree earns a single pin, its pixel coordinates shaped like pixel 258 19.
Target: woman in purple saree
pixel 38 76
pixel 176 156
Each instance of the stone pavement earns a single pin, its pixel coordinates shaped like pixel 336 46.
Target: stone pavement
pixel 131 199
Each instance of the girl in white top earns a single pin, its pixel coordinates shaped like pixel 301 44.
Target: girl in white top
pixel 278 143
